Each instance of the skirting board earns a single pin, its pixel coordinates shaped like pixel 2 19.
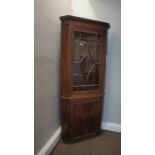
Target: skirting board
pixel 111 126
pixel 48 147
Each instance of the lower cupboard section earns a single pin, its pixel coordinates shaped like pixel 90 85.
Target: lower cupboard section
pixel 81 118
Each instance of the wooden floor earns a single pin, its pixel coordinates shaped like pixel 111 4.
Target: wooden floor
pixel 108 143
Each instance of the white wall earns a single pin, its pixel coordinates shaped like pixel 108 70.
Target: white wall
pixel 47 62
pixel 108 11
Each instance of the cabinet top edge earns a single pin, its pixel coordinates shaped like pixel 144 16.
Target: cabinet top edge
pixel 70 17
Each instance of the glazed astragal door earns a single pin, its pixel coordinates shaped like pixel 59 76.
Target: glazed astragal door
pixel 86 61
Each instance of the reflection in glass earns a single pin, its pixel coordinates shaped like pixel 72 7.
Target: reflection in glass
pixel 86 61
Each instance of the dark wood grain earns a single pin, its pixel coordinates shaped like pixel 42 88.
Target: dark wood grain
pixel 96 22
pixel 80 111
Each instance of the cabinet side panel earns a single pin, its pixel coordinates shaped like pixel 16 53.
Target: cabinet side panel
pixel 65 70
pixel 65 119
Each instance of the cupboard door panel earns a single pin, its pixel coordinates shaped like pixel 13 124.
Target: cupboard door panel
pixel 86 118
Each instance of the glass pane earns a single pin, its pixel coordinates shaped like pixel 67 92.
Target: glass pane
pixel 97 52
pixel 86 61
pixel 88 36
pixel 77 34
pixel 97 74
pixel 76 70
pixel 76 50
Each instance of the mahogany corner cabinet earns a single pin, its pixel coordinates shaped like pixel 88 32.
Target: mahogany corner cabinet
pixel 83 63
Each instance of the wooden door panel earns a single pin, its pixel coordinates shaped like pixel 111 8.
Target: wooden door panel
pixel 86 118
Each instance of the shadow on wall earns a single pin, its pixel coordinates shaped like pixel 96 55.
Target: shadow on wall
pixel 113 74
